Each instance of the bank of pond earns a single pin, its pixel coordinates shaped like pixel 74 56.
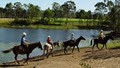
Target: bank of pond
pixel 10 37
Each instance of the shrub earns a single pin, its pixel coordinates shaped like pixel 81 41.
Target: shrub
pixel 21 22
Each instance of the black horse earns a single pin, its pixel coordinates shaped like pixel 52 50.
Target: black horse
pixel 103 41
pixel 72 44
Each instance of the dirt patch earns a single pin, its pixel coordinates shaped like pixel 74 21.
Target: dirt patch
pixel 109 58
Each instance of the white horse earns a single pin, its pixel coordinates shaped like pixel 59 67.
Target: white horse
pixel 48 48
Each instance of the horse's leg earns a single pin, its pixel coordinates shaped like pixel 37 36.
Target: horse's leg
pixel 105 46
pixel 78 49
pixel 102 47
pixel 97 46
pixel 16 58
pixel 73 49
pixel 43 53
pixel 65 50
pixel 52 52
pixel 27 58
pixel 93 47
pixel 47 53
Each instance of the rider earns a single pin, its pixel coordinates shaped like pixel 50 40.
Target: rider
pixel 101 35
pixel 49 40
pixel 72 37
pixel 24 42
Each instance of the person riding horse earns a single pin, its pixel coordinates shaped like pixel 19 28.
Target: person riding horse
pixel 24 42
pixel 72 38
pixel 49 41
pixel 101 35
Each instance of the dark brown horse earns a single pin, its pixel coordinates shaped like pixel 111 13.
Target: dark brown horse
pixel 18 50
pixel 49 48
pixel 72 44
pixel 56 43
pixel 103 41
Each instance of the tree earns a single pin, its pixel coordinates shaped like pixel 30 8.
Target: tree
pixel 33 11
pixel 1 12
pixel 18 9
pixel 114 15
pixel 56 10
pixel 101 9
pixel 89 15
pixel 47 15
pixel 9 10
pixel 68 8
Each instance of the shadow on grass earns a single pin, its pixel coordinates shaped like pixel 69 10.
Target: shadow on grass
pixel 10 65
pixel 61 54
pixel 118 47
pixel 36 59
pixel 104 54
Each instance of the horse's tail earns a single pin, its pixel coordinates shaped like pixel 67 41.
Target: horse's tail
pixel 63 45
pixel 91 42
pixel 7 51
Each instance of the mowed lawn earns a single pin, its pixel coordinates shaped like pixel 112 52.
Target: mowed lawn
pixel 6 20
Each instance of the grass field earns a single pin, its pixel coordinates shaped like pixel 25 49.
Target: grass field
pixel 75 20
pixel 59 23
pixel 6 20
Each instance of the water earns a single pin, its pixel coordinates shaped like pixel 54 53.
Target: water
pixel 10 37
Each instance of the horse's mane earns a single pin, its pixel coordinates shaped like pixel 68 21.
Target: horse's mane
pixel 107 36
pixel 33 43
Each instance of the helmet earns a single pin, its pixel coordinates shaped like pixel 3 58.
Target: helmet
pixel 72 33
pixel 24 33
pixel 101 30
pixel 49 36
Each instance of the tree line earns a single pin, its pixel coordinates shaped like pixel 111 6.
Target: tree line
pixel 110 13
pixel 66 10
pixel 107 12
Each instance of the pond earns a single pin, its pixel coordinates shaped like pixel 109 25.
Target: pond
pixel 10 37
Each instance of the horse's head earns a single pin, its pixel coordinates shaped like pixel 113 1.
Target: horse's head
pixel 111 37
pixel 82 38
pixel 57 43
pixel 40 45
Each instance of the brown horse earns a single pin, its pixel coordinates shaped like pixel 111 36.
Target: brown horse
pixel 18 50
pixel 49 48
pixel 56 43
pixel 104 41
pixel 72 44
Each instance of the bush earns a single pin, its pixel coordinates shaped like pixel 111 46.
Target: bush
pixel 43 21
pixel 21 22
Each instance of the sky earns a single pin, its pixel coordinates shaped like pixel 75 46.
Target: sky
pixel 44 4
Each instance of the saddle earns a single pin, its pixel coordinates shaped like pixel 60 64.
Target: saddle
pixel 21 48
pixel 100 39
pixel 49 46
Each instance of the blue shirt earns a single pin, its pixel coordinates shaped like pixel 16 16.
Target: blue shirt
pixel 23 40
pixel 72 37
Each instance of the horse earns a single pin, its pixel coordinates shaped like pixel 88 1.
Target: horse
pixel 19 50
pixel 103 41
pixel 49 48
pixel 72 44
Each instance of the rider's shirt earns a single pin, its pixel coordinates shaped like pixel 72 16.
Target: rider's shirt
pixel 23 40
pixel 48 40
pixel 72 37
pixel 101 35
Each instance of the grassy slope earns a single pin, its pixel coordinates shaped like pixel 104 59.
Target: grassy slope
pixel 59 23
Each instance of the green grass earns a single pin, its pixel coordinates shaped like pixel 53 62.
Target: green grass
pixel 84 65
pixel 75 20
pixel 60 23
pixel 45 26
pixel 111 44
pixel 6 20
